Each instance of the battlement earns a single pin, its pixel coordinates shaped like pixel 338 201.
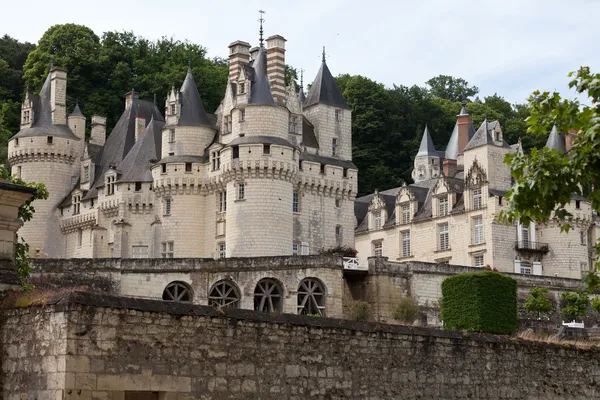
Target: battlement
pixel 43 149
pixel 80 221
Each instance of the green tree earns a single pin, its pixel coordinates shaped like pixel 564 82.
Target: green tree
pixel 451 88
pixel 546 180
pixel 537 301
pixel 576 304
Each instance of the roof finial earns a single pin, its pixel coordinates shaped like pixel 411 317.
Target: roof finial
pixel 154 98
pixel 323 53
pixel 261 20
pixel 189 62
pixel 51 62
pixel 301 79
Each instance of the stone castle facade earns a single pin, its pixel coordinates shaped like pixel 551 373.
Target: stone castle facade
pixel 449 214
pixel 270 173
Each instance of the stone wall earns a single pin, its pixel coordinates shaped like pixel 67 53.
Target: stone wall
pixel 87 347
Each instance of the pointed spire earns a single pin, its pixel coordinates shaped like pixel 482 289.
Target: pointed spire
pixel 261 91
pixel 76 111
pixel 261 20
pixel 556 141
pixel 324 89
pixel 323 60
pixel 427 148
pixel 301 95
pixel 192 109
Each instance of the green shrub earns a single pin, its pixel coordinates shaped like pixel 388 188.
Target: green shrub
pixel 481 301
pixel 537 301
pixel 576 304
pixel 359 311
pixel 405 310
pixel 596 304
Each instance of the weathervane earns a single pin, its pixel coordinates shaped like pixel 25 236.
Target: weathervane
pixel 301 79
pixel 323 53
pixel 261 20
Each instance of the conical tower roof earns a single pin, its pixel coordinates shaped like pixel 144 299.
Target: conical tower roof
pixel 427 148
pixel 135 167
pixel 556 141
pixel 192 109
pixel 261 91
pixel 325 90
pixel 77 111
pixel 452 150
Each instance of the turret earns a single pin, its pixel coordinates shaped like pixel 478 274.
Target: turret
pixel 428 159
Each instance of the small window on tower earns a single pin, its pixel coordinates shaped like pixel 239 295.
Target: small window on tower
pixel 188 167
pixel 172 109
pixel 333 147
pixel 577 204
pixel 16 142
pixel 167 206
pixel 19 172
pixel 138 186
pixel 323 169
pixel 266 149
pixel 338 115
pixel 164 168
pixel 171 135
pixel 242 87
pixel 236 152
pixel 242 115
pixel 50 139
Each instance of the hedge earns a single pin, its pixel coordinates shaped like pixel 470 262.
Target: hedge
pixel 480 301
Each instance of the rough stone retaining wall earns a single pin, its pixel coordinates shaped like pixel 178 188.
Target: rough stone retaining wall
pixel 103 347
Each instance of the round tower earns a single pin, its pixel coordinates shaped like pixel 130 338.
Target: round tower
pixel 46 150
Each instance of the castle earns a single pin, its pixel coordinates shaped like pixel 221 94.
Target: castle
pixel 270 173
pixel 448 215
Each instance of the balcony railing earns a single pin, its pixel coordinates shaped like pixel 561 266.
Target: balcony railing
pixel 528 245
pixel 351 263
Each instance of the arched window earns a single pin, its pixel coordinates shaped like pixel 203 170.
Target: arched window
pixel 268 296
pixel 177 291
pixel 224 294
pixel 311 297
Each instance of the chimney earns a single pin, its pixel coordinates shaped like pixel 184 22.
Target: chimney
pixel 570 138
pixel 276 66
pixel 464 123
pixel 98 135
pixel 253 53
pixel 129 97
pixel 58 96
pixel 449 167
pixel 239 55
pixel 140 125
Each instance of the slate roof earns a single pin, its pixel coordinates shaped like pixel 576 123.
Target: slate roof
pixel 42 117
pixel 135 167
pixel 301 96
pixel 183 159
pixel 192 109
pixel 260 90
pixel 77 112
pixel 260 139
pixel 309 139
pixel 556 141
pixel 327 161
pixel 452 150
pixel 325 90
pixel 427 148
pixel 481 138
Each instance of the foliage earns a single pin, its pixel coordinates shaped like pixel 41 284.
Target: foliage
pixel 537 301
pixel 25 213
pixel 344 251
pixel 359 310
pixel 450 88
pixel 481 301
pixel 596 304
pixel 576 304
pixel 405 310
pixel 546 180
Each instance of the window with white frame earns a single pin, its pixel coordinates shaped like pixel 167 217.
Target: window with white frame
pixel 76 204
pixel 478 230
pixel 222 250
pixel 294 249
pixel 167 249
pixel 222 201
pixel 241 192
pixel 525 267
pixel 377 220
pixel 216 160
pixel 110 184
pixel 444 237
pixel 443 205
pixel 139 252
pixel 167 207
pixel 305 251
pixel 227 125
pixel 478 260
pixel 338 115
pixel 378 249
pixel 406 244
pixel 405 213
pixel 525 236
pixel 86 174
pixel 476 193
pixel 296 202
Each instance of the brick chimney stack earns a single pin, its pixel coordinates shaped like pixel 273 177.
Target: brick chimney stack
pixel 276 66
pixel 239 55
pixel 449 167
pixel 464 122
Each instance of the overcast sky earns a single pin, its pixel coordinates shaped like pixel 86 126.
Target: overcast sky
pixel 509 47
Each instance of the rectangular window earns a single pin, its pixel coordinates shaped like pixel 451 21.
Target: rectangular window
pixel 296 202
pixel 444 238
pixel 525 268
pixel 216 160
pixel 168 249
pixel 378 249
pixel 405 213
pixel 338 115
pixel 235 152
pixel 577 204
pixel 345 173
pixel 19 172
pixel 172 109
pixel 266 149
pixel 478 260
pixel 171 135
pixel 294 249
pixel 305 249
pixel 241 191
pixel 293 124
pixel 86 174
pixel 478 230
pixel 338 230
pixel 50 139
pixel 167 206
pixel 222 250
pixel 164 168
pixel 377 220
pixel 476 198
pixel 138 186
pixel 79 238
pixel 338 203
pixel 76 204
pixel 524 236
pixel 110 185
pixel 188 167
pixel 333 146
pixel 242 87
pixel 139 252
pixel 16 142
pixel 406 244
pixel 322 169
pixel 242 115
pixel 443 205
pixel 222 201
pixel 582 237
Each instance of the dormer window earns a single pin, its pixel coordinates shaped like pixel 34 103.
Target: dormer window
pixel 443 205
pixel 227 124
pixel 86 173
pixel 110 185
pixel 405 208
pixel 172 109
pixel 76 204
pixel 26 117
pixel 242 87
pixel 216 161
pixel 377 220
pixel 476 193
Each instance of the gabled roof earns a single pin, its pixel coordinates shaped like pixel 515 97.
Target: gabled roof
pixel 308 134
pixel 427 148
pixel 260 90
pixel 324 90
pixel 556 141
pixel 481 137
pixel 42 114
pixel 135 167
pixel 192 109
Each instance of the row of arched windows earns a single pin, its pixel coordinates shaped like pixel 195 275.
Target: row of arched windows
pixel 268 295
